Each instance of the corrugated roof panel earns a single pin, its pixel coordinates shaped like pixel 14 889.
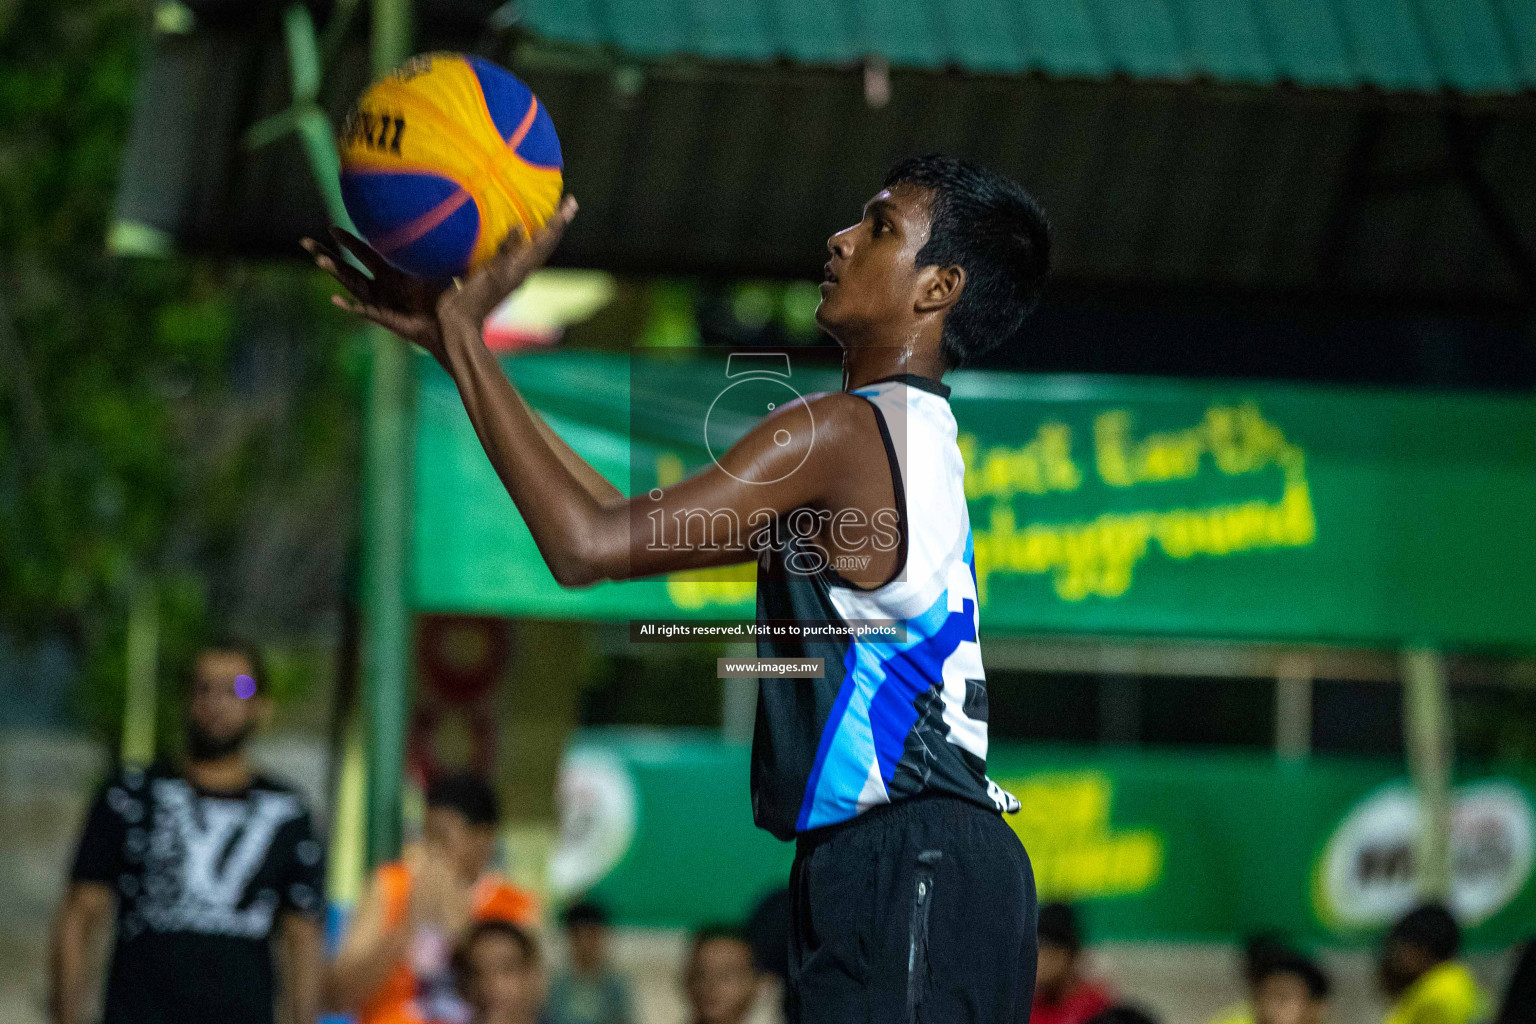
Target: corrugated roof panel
pixel 1386 44
pixel 983 36
pixel 903 33
pixel 1060 38
pixel 1517 21
pixel 1140 38
pixel 571 21
pixel 731 30
pixel 815 31
pixel 1477 46
pixel 1466 44
pixel 1306 42
pixel 647 28
pixel 1224 40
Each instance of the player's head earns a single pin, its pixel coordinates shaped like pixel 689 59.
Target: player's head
pixel 1421 939
pixel 500 974
pixel 586 927
pixel 722 975
pixel 460 821
pixel 944 245
pixel 1289 988
pixel 1060 941
pixel 219 719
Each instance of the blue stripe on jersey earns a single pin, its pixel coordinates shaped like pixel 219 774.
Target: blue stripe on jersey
pixel 876 709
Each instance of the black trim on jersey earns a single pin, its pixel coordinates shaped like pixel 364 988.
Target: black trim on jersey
pixel 900 489
pixel 912 380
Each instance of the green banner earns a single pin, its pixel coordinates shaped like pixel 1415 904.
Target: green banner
pixel 1159 846
pixel 1126 506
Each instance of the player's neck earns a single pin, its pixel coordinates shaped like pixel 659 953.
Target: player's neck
pixel 221 775
pixel 862 366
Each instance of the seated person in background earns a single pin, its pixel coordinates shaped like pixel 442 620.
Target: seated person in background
pixel 394 962
pixel 1420 973
pixel 1289 988
pixel 721 978
pixel 1258 950
pixel 500 974
pixel 1062 994
pixel 591 992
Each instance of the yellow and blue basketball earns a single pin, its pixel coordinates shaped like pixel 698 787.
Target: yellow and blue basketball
pixel 444 157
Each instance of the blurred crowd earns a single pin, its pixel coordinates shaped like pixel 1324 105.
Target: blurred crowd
pixel 210 878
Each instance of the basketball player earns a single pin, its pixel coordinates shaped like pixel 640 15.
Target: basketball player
pixel 912 900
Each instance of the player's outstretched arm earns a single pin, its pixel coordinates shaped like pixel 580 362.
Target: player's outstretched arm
pixel 583 527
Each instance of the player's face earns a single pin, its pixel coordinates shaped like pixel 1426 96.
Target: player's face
pixel 722 983
pixel 1285 999
pixel 872 278
pixel 218 721
pixel 505 987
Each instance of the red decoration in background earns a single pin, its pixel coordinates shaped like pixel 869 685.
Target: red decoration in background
pixel 459 660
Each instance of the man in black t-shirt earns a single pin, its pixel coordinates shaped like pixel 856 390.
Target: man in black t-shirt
pixel 207 866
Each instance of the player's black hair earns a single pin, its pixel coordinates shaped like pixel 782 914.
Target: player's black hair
pixel 584 912
pixel 468 794
pixel 728 932
pixel 232 643
pixel 1059 926
pixel 1124 1013
pixel 1430 927
pixel 461 962
pixel 997 233
pixel 1298 965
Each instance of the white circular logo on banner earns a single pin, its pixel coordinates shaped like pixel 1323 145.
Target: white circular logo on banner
pixel 1368 876
pixel 596 801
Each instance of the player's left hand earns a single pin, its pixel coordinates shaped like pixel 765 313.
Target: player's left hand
pixel 469 302
pixel 386 295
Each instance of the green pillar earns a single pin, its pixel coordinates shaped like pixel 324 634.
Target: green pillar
pixel 1427 723
pixel 386 530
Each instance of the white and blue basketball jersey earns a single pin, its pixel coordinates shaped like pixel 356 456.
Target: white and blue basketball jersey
pixel 889 719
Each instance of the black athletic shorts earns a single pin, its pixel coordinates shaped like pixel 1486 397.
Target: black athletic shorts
pixel 918 911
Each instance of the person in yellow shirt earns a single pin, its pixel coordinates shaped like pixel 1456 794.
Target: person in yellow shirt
pixel 1419 971
pixel 1259 949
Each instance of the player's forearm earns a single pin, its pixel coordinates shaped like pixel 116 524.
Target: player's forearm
pixel 361 968
pixel 67 955
pixel 304 971
pixel 580 537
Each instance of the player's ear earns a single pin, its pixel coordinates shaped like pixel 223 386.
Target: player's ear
pixel 939 288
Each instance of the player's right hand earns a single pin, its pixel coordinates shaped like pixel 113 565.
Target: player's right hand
pixel 390 297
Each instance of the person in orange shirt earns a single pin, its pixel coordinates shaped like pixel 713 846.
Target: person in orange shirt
pixel 395 961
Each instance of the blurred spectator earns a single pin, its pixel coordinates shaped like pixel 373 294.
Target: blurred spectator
pixel 1121 1013
pixel 1062 994
pixel 500 974
pixel 591 992
pixel 1520 998
pixel 1258 950
pixel 1420 973
pixel 207 865
pixel 721 979
pixel 394 963
pixel 1290 988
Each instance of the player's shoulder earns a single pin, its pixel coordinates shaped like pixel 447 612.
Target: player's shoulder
pixel 841 413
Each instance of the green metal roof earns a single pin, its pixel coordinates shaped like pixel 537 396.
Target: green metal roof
pixel 1474 46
